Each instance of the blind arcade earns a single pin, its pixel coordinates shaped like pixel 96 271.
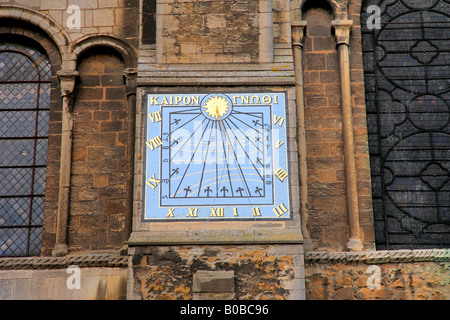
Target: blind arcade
pixel 216 156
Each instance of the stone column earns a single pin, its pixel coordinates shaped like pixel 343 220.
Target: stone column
pixel 130 78
pixel 298 31
pixel 342 32
pixel 67 80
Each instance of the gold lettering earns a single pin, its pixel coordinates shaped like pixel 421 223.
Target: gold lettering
pixel 244 99
pixel 257 100
pixel 153 101
pixel 276 119
pixel 155 116
pixel 267 99
pixel 178 99
pixel 256 212
pixel 281 174
pixel 170 213
pixel 154 143
pixel 193 212
pixel 235 212
pixel 280 210
pixel 279 144
pixel 216 212
pixel 153 182
pixel 165 101
pixel 195 100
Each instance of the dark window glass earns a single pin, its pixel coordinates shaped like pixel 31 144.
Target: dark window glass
pixel 24 116
pixel 407 83
pixel 149 22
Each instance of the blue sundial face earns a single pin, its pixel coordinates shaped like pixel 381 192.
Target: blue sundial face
pixel 216 156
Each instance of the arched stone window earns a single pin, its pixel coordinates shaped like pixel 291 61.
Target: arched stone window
pixel 25 74
pixel 407 83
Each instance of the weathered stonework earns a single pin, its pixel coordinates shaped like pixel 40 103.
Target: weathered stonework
pixel 260 272
pixel 192 46
pixel 402 275
pixel 327 194
pixel 208 31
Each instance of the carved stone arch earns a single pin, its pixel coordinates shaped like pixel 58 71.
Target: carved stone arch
pixel 34 29
pixel 339 7
pixel 46 24
pixel 88 42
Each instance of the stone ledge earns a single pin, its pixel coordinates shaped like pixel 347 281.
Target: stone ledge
pixel 378 257
pixel 217 74
pixel 86 260
pixel 216 237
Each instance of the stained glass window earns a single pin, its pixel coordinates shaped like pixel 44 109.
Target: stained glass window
pixel 25 74
pixel 407 83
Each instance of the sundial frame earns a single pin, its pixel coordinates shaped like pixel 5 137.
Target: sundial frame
pixel 216 156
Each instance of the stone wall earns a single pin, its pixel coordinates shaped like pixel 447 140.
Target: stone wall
pixel 327 190
pixel 404 275
pixel 95 284
pixel 260 271
pixel 116 17
pixel 98 210
pixel 86 277
pixel 208 31
pixel 323 124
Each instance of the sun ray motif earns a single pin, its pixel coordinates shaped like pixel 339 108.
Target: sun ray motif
pixel 216 107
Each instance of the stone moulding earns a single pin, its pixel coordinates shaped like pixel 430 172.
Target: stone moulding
pixel 216 237
pixel 216 74
pixel 382 256
pixel 86 260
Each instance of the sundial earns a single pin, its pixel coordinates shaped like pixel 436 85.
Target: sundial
pixel 216 156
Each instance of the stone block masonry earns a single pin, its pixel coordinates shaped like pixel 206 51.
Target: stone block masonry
pixel 260 272
pixel 328 211
pixel 208 31
pixel 323 125
pixel 378 275
pixel 99 168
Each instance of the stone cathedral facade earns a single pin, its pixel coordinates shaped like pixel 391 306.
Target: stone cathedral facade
pixel 247 150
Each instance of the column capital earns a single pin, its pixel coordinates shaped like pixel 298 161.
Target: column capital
pixel 342 31
pixel 298 32
pixel 67 80
pixel 130 80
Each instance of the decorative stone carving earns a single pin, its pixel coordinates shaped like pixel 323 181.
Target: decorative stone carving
pixel 87 260
pixel 378 257
pixel 298 32
pixel 342 31
pixel 67 80
pixel 130 80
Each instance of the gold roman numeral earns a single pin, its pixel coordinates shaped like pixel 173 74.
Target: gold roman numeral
pixel 279 144
pixel 193 212
pixel 153 182
pixel 280 210
pixel 154 143
pixel 256 212
pixel 155 116
pixel 170 213
pixel 216 212
pixel 281 174
pixel 276 119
